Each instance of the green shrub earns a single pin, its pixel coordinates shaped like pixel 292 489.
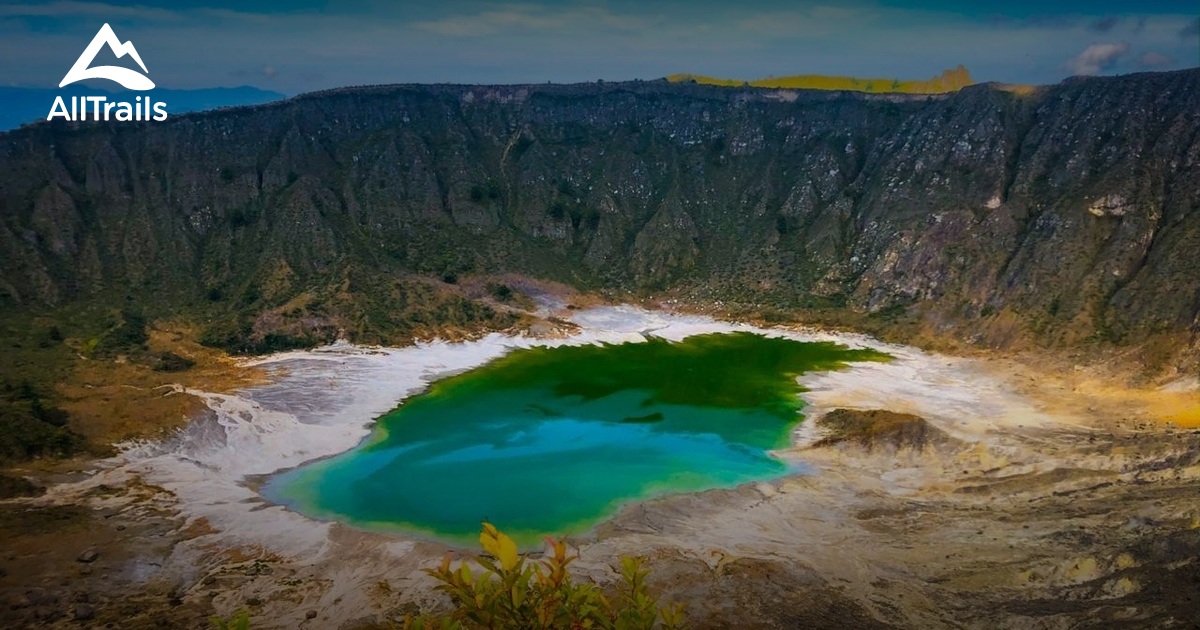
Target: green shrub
pixel 227 333
pixel 239 621
pixel 512 594
pixel 29 427
pixel 501 292
pixel 127 336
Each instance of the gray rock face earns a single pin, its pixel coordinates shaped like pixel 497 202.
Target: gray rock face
pixel 1074 211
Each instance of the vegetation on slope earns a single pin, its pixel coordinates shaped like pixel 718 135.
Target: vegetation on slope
pixel 31 427
pixel 81 377
pixel 78 379
pixel 951 80
pixel 32 423
pixel 363 307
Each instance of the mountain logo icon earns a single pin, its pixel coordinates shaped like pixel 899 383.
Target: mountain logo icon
pixel 131 79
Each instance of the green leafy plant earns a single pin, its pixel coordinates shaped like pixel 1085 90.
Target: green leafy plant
pixel 239 621
pixel 510 593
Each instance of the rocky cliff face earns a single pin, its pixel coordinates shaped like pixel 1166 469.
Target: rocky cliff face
pixel 1072 213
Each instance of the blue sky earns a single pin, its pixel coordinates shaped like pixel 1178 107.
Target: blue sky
pixel 301 46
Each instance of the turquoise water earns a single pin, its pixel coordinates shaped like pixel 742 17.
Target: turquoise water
pixel 552 440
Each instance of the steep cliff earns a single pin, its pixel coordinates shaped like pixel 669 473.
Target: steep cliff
pixel 1069 214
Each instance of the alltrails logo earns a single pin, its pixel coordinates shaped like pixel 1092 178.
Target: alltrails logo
pixel 100 108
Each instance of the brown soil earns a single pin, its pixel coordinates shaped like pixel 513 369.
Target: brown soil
pixel 45 582
pixel 116 400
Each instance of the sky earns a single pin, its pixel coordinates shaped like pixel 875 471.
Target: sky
pixel 294 47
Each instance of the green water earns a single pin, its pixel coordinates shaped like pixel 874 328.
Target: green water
pixel 552 440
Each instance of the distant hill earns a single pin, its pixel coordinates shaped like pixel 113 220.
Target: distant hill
pixel 24 105
pixel 950 80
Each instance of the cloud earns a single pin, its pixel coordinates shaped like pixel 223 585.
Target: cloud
pixel 1153 59
pixel 1097 57
pixel 1104 24
pixel 1191 30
